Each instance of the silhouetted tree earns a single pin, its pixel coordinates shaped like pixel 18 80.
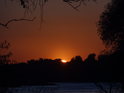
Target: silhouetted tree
pixel 5 56
pixel 111 26
pixel 91 59
pixel 32 61
pixel 76 60
pixel 58 60
pixel 103 59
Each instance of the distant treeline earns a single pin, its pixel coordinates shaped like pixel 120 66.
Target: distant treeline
pixel 107 68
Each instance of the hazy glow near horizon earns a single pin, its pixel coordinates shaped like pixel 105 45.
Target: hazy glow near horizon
pixel 65 32
pixel 64 61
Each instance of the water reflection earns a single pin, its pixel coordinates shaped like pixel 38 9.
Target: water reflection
pixel 68 88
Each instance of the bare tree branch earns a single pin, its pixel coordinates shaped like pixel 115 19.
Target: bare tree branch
pixel 76 8
pixel 12 20
pixel 98 85
pixel 4 45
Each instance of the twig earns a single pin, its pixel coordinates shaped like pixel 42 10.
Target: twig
pixel 98 85
pixel 12 20
pixel 73 6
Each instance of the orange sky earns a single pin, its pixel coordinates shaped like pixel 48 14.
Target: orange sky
pixel 65 32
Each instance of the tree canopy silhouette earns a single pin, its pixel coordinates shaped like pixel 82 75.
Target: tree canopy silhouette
pixel 5 56
pixel 111 26
pixel 76 60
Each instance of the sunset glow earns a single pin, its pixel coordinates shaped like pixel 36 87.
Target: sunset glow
pixel 64 61
pixel 64 34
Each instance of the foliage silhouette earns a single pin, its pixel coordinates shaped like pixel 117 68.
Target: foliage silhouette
pixel 111 26
pixel 76 60
pixel 5 56
pixel 48 70
pixel 41 71
pixel 91 59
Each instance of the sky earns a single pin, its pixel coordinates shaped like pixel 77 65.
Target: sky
pixel 65 32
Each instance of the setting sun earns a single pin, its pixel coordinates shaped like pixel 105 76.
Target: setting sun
pixel 64 61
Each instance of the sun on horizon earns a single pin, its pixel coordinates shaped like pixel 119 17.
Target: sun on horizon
pixel 63 61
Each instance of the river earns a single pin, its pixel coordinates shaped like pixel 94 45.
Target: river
pixel 62 88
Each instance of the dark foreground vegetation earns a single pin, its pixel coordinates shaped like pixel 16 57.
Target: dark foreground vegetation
pixel 108 68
